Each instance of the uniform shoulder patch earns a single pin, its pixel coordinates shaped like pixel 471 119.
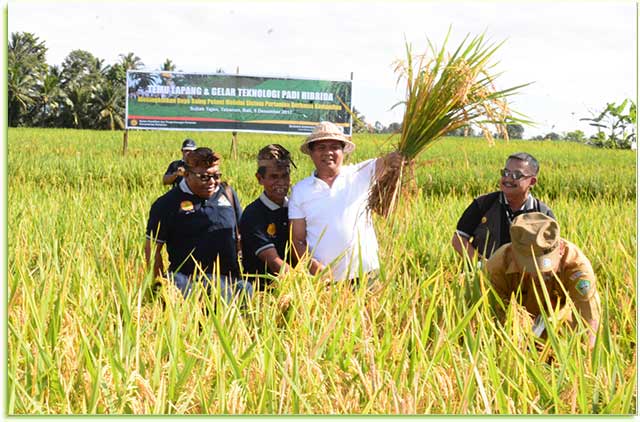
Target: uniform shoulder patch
pixel 575 275
pixel 583 286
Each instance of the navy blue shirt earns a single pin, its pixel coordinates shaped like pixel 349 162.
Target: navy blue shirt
pixel 264 224
pixel 196 229
pixel 173 167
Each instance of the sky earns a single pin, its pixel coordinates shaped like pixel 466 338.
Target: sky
pixel 579 55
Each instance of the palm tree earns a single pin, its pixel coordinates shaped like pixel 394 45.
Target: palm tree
pixel 168 66
pixel 107 103
pixel 51 98
pixel 26 68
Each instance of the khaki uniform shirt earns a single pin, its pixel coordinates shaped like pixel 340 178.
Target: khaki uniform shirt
pixel 575 275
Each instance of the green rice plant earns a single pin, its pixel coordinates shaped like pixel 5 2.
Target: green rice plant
pixel 86 336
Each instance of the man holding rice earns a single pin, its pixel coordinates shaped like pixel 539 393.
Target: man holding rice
pixel 484 225
pixel 540 270
pixel 328 211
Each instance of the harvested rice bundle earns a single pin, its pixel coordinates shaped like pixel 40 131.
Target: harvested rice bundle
pixel 444 92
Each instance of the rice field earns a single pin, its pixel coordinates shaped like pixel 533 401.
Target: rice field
pixel 85 334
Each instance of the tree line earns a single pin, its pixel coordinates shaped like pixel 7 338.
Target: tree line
pixel 86 93
pixel 83 92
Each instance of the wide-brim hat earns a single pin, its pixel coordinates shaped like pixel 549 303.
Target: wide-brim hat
pixel 326 131
pixel 535 241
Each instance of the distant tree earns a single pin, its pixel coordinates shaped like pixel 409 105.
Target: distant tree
pixel 81 69
pixel 515 131
pixel 359 122
pixel 26 68
pixel 615 124
pixel 552 136
pixel 108 106
pixel 379 127
pixel 168 66
pixel 394 127
pixel 575 136
pixel 51 98
pixel 456 132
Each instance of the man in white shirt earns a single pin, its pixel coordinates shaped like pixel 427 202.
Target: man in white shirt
pixel 328 211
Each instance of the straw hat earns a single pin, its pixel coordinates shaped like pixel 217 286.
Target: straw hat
pixel 328 131
pixel 535 239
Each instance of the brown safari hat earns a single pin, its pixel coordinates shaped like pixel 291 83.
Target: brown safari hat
pixel 535 241
pixel 328 131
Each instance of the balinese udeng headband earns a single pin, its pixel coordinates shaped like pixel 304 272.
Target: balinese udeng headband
pixel 275 155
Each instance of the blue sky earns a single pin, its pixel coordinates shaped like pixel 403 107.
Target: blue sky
pixel 580 55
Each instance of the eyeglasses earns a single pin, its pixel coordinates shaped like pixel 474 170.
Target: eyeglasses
pixel 205 177
pixel 515 175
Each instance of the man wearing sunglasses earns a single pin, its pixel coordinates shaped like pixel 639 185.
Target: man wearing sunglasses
pixel 484 225
pixel 197 220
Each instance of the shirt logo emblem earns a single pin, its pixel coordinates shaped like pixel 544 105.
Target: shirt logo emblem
pixel 583 287
pixel 186 206
pixel 271 229
pixel 484 220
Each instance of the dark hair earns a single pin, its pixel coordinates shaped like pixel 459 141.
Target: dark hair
pixel 527 158
pixel 202 157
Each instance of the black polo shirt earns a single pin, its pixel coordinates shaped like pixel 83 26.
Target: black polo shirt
pixel 472 216
pixel 264 224
pixel 196 229
pixel 173 167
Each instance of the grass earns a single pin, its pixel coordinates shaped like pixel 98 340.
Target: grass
pixel 85 336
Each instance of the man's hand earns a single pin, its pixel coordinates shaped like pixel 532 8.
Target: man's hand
pixel 180 171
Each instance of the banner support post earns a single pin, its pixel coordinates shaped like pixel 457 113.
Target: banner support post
pixel 234 134
pixel 125 142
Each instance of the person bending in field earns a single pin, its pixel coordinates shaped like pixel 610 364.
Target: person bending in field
pixel 175 171
pixel 197 220
pixel 538 257
pixel 484 225
pixel 328 210
pixel 264 225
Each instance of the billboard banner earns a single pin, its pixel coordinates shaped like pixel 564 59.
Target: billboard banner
pixel 194 101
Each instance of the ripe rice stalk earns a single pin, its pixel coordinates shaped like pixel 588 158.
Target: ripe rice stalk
pixel 444 92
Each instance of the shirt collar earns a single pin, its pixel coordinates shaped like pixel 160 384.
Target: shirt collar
pixel 528 203
pixel 272 205
pixel 184 187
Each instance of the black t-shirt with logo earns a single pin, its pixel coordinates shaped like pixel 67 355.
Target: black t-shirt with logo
pixel 263 227
pixel 196 229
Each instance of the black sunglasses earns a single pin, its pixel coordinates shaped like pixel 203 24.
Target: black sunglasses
pixel 515 175
pixel 205 177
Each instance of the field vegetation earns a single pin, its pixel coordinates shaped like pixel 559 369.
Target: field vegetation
pixel 86 335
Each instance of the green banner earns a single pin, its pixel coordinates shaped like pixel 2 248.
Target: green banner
pixel 189 101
